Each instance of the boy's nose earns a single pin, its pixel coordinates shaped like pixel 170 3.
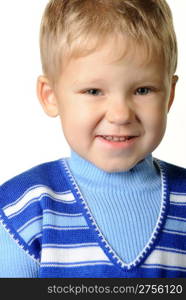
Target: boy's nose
pixel 120 113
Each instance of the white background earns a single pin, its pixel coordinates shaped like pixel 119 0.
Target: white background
pixel 27 136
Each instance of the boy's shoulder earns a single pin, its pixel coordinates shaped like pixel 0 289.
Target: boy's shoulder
pixel 175 176
pixel 49 174
pixel 26 198
pixel 172 167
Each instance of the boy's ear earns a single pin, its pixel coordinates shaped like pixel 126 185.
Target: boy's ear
pixel 172 94
pixel 46 96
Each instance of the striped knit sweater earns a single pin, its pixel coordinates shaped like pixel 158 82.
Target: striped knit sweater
pixel 44 211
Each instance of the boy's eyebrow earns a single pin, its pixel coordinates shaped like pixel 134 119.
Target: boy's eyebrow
pixel 154 80
pixel 92 81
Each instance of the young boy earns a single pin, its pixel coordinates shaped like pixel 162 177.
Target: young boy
pixel 111 209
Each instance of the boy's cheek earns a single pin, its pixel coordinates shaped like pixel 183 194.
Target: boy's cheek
pixel 157 127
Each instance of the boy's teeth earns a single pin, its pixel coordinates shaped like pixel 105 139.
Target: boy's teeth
pixel 115 138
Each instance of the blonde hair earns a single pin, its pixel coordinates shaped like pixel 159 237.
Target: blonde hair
pixel 74 28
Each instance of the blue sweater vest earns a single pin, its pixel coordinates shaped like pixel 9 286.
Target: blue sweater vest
pixel 44 211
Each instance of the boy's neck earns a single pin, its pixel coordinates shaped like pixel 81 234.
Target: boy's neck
pixel 143 175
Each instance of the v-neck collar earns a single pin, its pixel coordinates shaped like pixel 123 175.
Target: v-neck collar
pixel 104 244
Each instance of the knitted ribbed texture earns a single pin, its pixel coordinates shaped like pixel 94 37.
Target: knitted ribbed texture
pixel 14 262
pixel 125 205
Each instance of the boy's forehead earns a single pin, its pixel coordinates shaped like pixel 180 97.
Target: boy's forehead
pixel 97 73
pixel 116 49
pixel 122 53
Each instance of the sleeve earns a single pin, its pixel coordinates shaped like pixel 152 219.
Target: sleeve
pixel 21 211
pixel 14 262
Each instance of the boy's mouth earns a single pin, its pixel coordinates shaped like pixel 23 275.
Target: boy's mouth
pixel 113 138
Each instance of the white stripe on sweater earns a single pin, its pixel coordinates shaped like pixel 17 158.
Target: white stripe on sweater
pixel 181 198
pixel 64 227
pixel 167 258
pixel 85 264
pixel 80 245
pixel 36 192
pixel 73 255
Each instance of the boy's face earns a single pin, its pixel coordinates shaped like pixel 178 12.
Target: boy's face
pixel 113 113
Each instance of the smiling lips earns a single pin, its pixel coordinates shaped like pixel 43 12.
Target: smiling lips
pixel 113 138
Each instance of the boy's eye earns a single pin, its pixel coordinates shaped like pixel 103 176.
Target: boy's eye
pixel 93 92
pixel 143 91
